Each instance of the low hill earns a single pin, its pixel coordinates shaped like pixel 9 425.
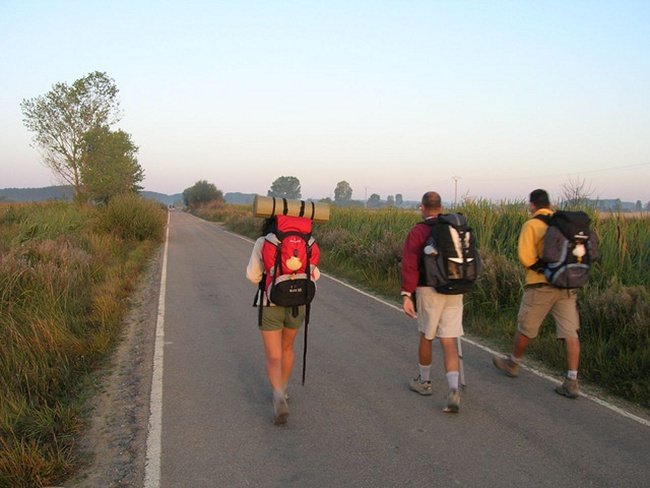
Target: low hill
pixel 175 199
pixel 65 192
pixel 36 194
pixel 237 198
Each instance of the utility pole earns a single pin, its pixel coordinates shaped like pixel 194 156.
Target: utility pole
pixel 455 178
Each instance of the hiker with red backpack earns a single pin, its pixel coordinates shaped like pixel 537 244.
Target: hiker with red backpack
pixel 556 248
pixel 284 265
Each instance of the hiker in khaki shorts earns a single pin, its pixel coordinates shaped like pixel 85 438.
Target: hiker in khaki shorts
pixel 539 299
pixel 438 316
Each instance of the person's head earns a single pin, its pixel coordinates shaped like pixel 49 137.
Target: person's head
pixel 431 204
pixel 539 199
pixel 268 225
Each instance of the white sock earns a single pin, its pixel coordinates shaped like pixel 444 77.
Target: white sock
pixel 452 379
pixel 514 359
pixel 278 395
pixel 425 372
pixel 572 375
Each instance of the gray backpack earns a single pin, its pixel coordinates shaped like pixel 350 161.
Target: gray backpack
pixel 569 249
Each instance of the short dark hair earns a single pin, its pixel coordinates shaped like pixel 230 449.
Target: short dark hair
pixel 539 198
pixel 431 200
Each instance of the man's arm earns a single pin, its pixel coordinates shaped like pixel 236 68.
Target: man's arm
pixel 527 245
pixel 410 272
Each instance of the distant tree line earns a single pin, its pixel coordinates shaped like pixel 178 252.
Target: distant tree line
pixel 289 187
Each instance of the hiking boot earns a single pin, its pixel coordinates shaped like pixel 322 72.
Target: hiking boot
pixel 453 402
pixel 568 389
pixel 421 387
pixel 280 410
pixel 507 365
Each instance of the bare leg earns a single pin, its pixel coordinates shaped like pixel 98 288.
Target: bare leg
pixel 288 356
pixel 572 345
pixel 521 344
pixel 450 353
pixel 425 356
pixel 273 349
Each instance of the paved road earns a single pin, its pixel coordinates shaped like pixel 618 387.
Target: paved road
pixel 355 423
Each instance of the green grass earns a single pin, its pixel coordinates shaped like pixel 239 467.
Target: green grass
pixel 65 274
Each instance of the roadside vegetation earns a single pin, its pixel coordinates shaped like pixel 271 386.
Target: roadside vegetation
pixel 65 274
pixel 364 247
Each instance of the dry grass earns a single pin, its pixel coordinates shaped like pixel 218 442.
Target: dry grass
pixel 64 278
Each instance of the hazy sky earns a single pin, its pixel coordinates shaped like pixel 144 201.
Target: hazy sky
pixel 392 96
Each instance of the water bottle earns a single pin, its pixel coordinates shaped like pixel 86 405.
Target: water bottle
pixel 430 250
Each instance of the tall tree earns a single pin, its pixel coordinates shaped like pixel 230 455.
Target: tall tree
pixel 60 119
pixel 201 192
pixel 342 192
pixel 109 164
pixel 399 199
pixel 285 187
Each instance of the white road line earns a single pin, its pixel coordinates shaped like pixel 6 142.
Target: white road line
pixel 154 436
pixel 595 399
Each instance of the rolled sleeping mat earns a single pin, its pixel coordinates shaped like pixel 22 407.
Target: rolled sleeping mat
pixel 270 206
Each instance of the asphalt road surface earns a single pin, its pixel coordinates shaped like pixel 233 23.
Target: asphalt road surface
pixel 355 423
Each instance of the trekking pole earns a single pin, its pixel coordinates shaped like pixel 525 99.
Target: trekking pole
pixel 304 356
pixel 461 367
pixel 304 349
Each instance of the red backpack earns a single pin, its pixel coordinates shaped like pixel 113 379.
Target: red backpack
pixel 288 254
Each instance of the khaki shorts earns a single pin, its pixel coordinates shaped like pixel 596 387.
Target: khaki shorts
pixel 277 318
pixel 536 304
pixel 438 315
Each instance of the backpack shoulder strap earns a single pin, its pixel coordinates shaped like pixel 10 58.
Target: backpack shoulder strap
pixel 456 220
pixel 544 218
pixel 429 222
pixel 272 238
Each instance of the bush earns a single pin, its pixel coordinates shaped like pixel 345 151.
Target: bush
pixel 131 217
